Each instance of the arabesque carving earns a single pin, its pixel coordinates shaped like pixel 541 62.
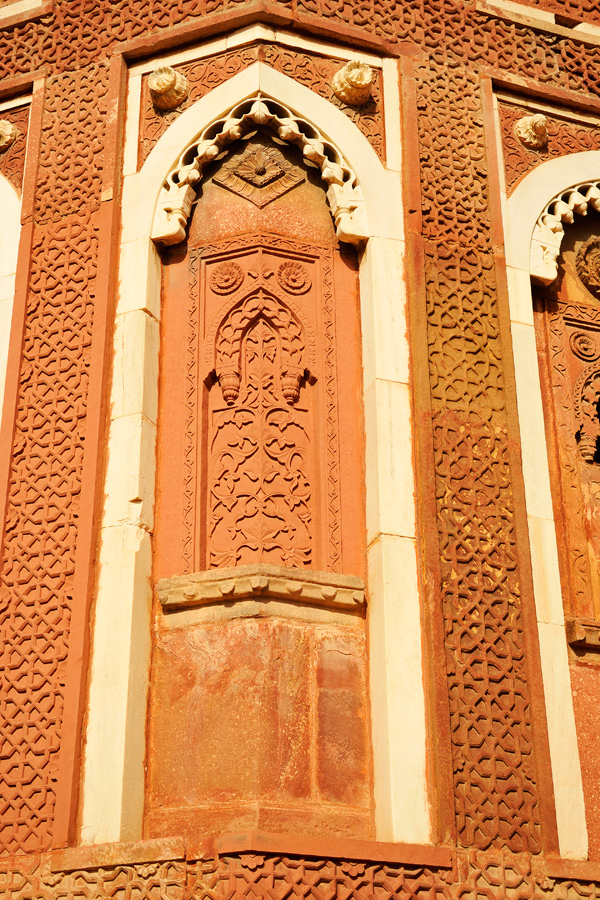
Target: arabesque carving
pixel 343 195
pixel 587 262
pixel 586 395
pixel 549 231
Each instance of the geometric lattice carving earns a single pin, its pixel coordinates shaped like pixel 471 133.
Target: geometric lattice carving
pixel 259 875
pixel 492 746
pixel 39 547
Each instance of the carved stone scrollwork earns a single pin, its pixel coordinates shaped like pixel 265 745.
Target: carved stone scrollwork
pixel 549 231
pixel 532 131
pixel 343 195
pixel 168 88
pixel 352 83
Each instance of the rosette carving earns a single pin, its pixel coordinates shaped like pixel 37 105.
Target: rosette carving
pixel 226 278
pixel 587 262
pixel 293 277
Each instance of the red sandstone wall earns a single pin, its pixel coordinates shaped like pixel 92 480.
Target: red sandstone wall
pixel 490 756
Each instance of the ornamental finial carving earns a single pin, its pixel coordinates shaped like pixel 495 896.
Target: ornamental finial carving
pixel 352 83
pixel 8 133
pixel 532 131
pixel 168 88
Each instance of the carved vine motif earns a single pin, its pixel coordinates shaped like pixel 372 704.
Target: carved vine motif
pixel 576 567
pixel 311 70
pixel 586 397
pixel 261 495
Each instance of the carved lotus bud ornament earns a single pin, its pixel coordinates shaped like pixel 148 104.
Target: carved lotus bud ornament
pixel 532 131
pixel 168 88
pixel 587 263
pixel 8 133
pixel 352 84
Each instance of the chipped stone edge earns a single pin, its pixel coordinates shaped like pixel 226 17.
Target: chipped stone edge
pixel 262 582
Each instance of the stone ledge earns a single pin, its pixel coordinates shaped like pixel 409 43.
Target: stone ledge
pixel 262 582
pixel 9 18
pixel 584 634
pixel 573 869
pixel 335 848
pixel 106 855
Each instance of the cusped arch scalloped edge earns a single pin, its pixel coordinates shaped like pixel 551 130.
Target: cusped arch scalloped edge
pixel 344 195
pixel 549 231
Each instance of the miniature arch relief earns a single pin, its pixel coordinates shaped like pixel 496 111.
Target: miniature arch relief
pixel 344 195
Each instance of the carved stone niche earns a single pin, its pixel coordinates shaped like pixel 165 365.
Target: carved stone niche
pixel 262 583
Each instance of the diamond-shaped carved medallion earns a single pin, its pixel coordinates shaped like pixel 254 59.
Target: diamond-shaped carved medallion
pixel 261 174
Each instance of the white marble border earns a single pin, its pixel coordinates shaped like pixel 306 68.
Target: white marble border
pixel 113 782
pixel 521 212
pixel 10 204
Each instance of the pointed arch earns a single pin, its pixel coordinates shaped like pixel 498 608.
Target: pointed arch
pixel 113 781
